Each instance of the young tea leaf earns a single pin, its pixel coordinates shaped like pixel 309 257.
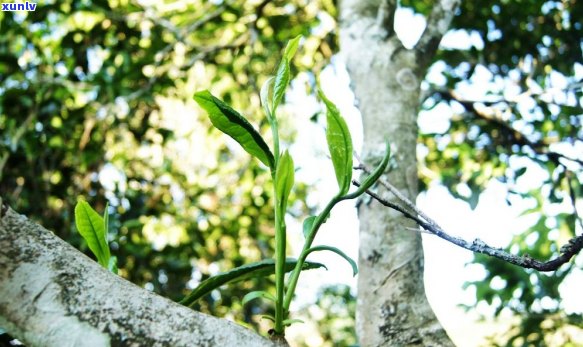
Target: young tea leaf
pixel 106 220
pixel 112 265
pixel 288 322
pixel 281 82
pixel 292 47
pixel 308 223
pixel 262 268
pixel 340 145
pixel 257 294
pixel 264 95
pixel 268 317
pixel 91 226
pixel 284 179
pixel 337 251
pixel 282 76
pixel 236 126
pixel 112 262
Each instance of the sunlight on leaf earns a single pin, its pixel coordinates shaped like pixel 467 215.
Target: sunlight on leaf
pixel 339 144
pixel 92 227
pixel 236 126
pixel 284 179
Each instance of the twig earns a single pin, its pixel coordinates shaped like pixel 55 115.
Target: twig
pixel 567 251
pixel 389 204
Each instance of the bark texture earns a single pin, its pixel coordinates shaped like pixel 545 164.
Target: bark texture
pixel 392 309
pixel 53 295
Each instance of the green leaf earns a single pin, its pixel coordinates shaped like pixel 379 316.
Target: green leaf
pixel 288 322
pixel 308 223
pixel 91 226
pixel 236 126
pixel 112 265
pixel 257 294
pixel 271 318
pixel 112 262
pixel 262 268
pixel 264 95
pixel 284 179
pixel 340 145
pixel 281 82
pixel 292 47
pixel 520 172
pixel 337 251
pixel 106 220
pixel 374 176
pixel 282 77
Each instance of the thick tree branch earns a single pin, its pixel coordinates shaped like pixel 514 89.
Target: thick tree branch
pixel 438 23
pixel 411 211
pixel 52 295
pixel 386 16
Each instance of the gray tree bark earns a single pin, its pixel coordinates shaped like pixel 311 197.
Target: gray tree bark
pixel 53 295
pixel 392 309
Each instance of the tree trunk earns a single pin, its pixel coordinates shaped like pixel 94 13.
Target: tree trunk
pixel 392 309
pixel 53 295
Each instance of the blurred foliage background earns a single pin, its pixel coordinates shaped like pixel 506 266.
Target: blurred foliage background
pixel 96 101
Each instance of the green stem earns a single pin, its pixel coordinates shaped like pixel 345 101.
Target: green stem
pixel 275 133
pixel 293 281
pixel 279 265
pixel 280 239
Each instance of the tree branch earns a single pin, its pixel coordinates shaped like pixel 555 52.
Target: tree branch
pixel 386 16
pixel 52 295
pixel 438 23
pixel 567 251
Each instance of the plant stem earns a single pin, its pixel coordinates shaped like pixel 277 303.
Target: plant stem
pixel 275 134
pixel 280 240
pixel 293 281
